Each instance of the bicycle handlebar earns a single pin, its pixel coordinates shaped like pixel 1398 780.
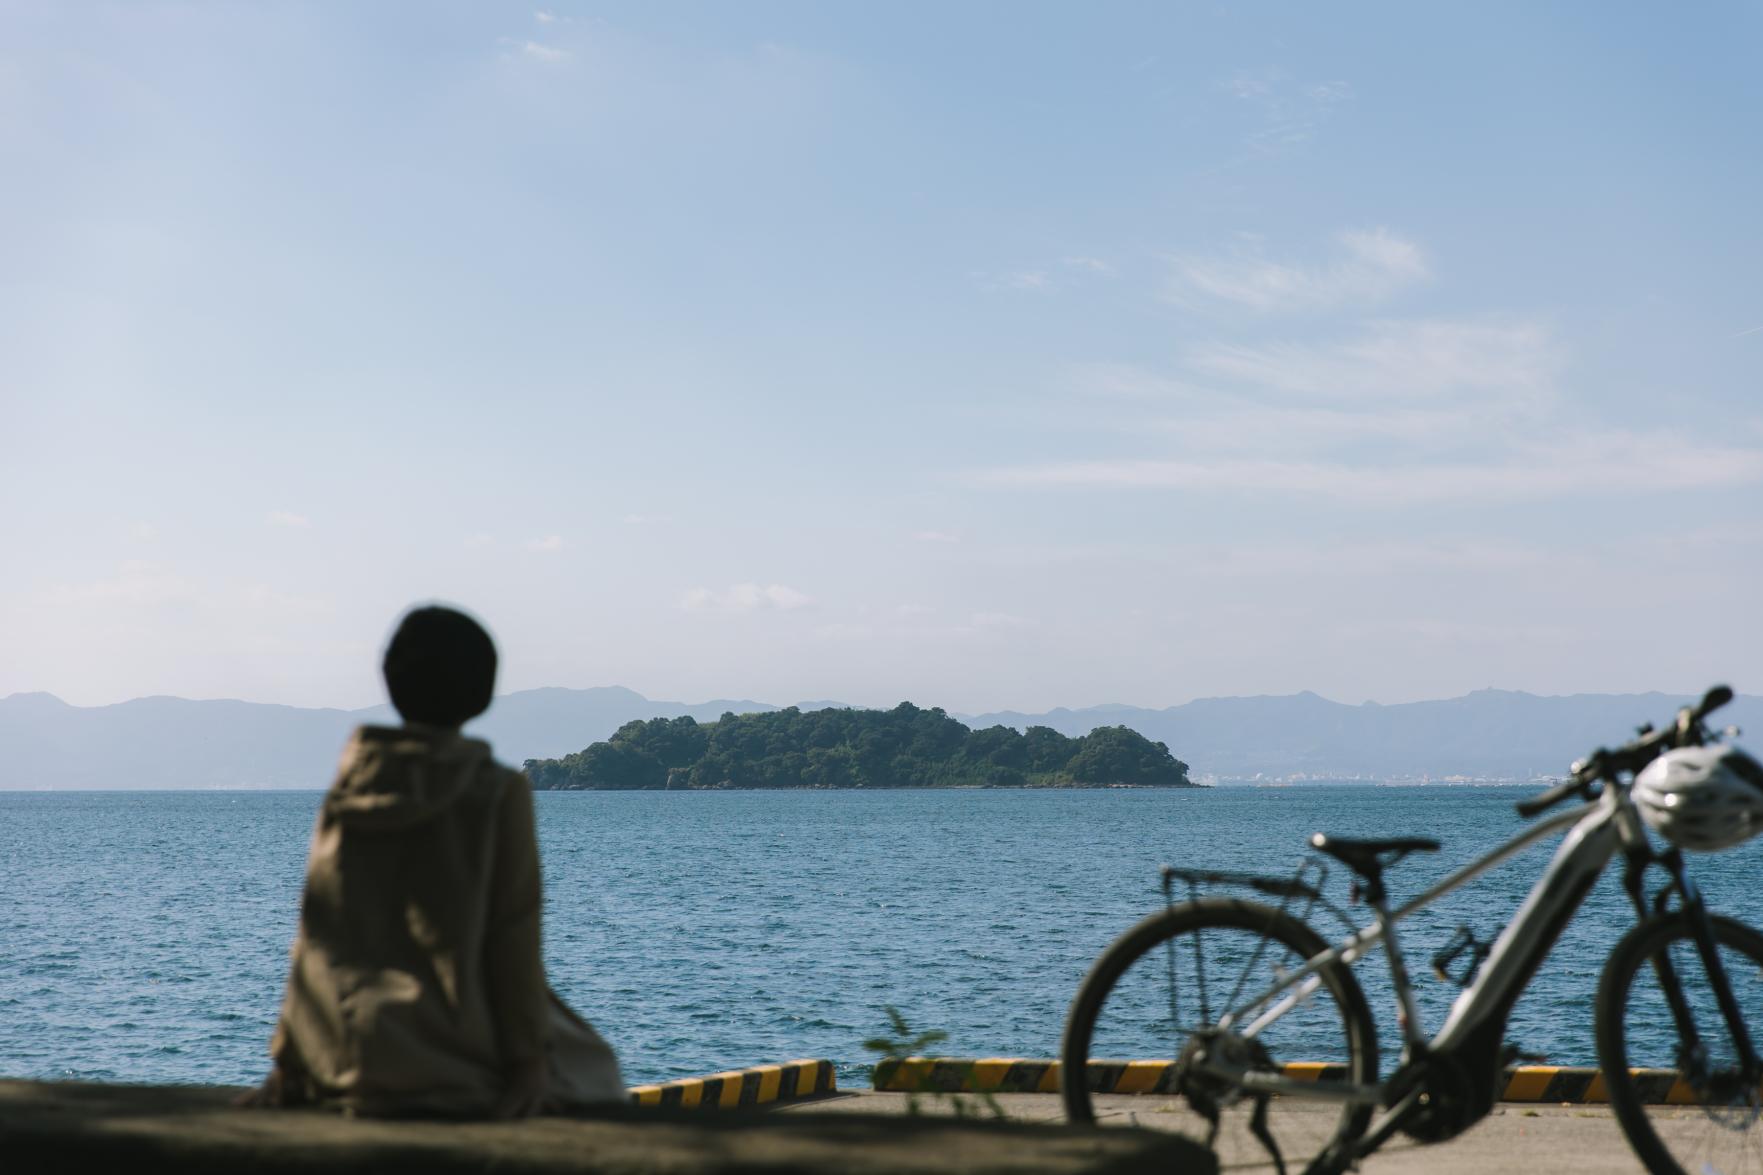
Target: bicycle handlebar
pixel 1602 764
pixel 1716 697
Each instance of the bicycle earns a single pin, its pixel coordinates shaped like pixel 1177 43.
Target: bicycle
pixel 1275 1042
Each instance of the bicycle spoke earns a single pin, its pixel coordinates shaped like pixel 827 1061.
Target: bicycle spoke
pixel 1237 991
pixel 1200 974
pixel 1162 984
pixel 1174 997
pixel 1658 1007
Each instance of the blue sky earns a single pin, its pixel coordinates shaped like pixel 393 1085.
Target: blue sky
pixel 983 355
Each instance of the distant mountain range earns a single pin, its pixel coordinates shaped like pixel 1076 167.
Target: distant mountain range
pixel 166 742
pixel 1488 734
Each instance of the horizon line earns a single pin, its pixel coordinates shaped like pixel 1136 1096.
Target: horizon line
pixel 829 704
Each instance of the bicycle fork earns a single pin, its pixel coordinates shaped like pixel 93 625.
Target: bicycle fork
pixel 1692 1055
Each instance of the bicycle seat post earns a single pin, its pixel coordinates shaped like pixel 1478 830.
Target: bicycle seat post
pixel 1407 1008
pixel 1368 859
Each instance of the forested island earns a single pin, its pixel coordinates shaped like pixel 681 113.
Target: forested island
pixel 841 748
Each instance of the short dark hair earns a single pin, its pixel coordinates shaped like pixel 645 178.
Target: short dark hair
pixel 440 667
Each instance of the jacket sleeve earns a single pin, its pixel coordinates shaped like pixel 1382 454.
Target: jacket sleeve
pixel 512 960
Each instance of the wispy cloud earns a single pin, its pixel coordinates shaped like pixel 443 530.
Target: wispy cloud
pixel 1040 280
pixel 1022 281
pixel 1397 381
pixel 936 536
pixel 1128 381
pixel 1428 358
pixel 1088 265
pixel 1400 413
pixel 137 581
pixel 1599 464
pixel 141 583
pixel 144 532
pixel 545 16
pixel 1252 86
pixel 1288 113
pixel 746 597
pixel 999 620
pixel 1753 330
pixel 290 519
pixel 549 54
pixel 1223 425
pixel 986 626
pixel 844 631
pixel 1373 265
pixel 548 545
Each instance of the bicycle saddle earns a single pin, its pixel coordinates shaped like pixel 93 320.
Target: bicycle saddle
pixel 1368 858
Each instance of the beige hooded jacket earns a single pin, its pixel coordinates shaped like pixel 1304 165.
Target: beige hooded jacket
pixel 417 982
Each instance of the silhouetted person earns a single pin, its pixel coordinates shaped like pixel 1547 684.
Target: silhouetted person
pixel 417 984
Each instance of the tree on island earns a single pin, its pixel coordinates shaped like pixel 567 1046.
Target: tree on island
pixel 840 748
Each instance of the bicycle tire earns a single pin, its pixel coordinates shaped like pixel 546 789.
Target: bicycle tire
pixel 1730 1119
pixel 1359 1033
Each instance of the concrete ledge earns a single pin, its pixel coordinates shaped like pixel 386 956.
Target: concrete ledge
pixel 1527 1083
pixel 759 1086
pixel 1585 1086
pixel 73 1127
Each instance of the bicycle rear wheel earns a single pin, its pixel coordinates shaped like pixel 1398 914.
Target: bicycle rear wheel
pixel 1694 1113
pixel 1133 1026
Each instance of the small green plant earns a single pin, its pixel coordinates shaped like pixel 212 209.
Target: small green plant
pixel 905 1044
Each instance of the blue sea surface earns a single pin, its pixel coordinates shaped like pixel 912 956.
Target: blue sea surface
pixel 144 935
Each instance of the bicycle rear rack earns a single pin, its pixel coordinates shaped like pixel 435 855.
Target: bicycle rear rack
pixel 1305 884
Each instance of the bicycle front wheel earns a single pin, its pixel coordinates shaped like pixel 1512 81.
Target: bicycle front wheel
pixel 1158 994
pixel 1688 1109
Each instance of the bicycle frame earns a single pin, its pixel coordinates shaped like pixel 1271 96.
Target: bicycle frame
pixel 1473 1031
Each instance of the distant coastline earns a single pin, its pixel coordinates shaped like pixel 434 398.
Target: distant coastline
pixel 1491 736
pixel 1189 786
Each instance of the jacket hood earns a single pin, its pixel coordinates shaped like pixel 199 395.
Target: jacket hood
pixel 398 775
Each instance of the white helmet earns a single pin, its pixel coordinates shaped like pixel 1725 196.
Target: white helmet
pixel 1705 798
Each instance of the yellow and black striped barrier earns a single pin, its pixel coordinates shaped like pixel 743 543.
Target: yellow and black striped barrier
pixel 792 1081
pixel 1563 1083
pixel 1527 1083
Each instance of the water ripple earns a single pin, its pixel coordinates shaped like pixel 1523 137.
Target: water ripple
pixel 147 934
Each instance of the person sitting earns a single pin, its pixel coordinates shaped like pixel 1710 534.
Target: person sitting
pixel 417 985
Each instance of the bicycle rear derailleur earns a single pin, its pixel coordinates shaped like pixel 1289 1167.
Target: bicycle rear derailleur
pixel 1217 1049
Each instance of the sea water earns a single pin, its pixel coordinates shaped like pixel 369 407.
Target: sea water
pixel 144 935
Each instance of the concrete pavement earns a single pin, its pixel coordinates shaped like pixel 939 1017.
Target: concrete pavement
pixel 1514 1138
pixel 73 1128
